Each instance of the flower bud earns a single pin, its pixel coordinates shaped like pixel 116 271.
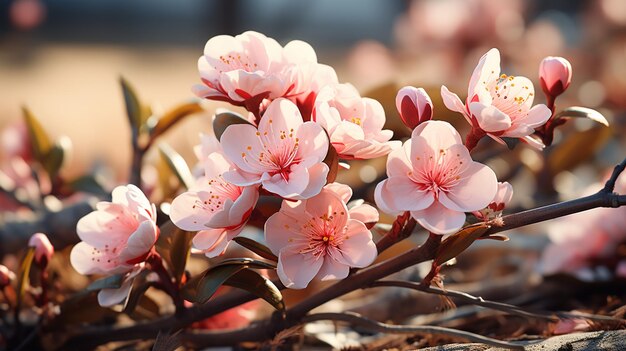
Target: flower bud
pixel 555 75
pixel 503 196
pixel 43 249
pixel 414 106
pixel 5 276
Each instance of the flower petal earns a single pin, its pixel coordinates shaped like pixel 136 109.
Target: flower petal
pixel 364 213
pixel 110 297
pixel 358 248
pixel 439 220
pixel 475 190
pixel 333 270
pixel 489 117
pixel 296 270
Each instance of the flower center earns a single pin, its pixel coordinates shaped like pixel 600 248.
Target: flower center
pixel 234 61
pixel 322 234
pixel 278 153
pixel 508 98
pixel 219 191
pixel 441 173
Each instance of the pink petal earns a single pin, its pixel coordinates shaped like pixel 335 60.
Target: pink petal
pixel 344 191
pixel 281 229
pixel 296 270
pixel 281 115
pixel 317 179
pixel 476 189
pixel 290 188
pixel 373 118
pixel 215 164
pixel 403 194
pixel 111 297
pixel 364 213
pixel 333 270
pixel 299 52
pixel 186 214
pixel 487 71
pixel 212 242
pixel 313 143
pixel 439 135
pixel 87 260
pixel 398 163
pixel 439 220
pixel 235 141
pixel 328 203
pixel 358 249
pixel 453 102
pixel 537 116
pixel 489 118
pixel 140 242
pixel 241 178
pixel 534 142
pixel 105 227
pixel 243 205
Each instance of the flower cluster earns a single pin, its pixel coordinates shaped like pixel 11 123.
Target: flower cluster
pixel 299 115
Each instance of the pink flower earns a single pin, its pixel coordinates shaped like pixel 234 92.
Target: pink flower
pixel 498 203
pixel 216 208
pixel 320 237
pixel 241 68
pixel 118 235
pixel 414 106
pixel 555 75
pixel 284 154
pixel 353 123
pixel 6 276
pixel 43 249
pixel 434 177
pixel 573 325
pixel 586 244
pixel 499 105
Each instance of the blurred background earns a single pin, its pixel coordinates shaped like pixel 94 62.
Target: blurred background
pixel 63 58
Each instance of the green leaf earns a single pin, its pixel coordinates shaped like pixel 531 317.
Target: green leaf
pixel 189 291
pixel 53 160
pixel 224 120
pixel 577 148
pixel 256 247
pixel 458 242
pixel 145 309
pixel 173 116
pixel 179 253
pixel 582 112
pixel 23 277
pixel 90 183
pixel 134 111
pixel 110 282
pixel 259 285
pixel 177 164
pixel 213 279
pixel 40 142
pixel 247 262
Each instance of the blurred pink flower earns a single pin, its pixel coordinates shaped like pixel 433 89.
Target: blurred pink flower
pixel 320 237
pixel 284 154
pixel 414 106
pixel 499 105
pixel 6 276
pixel 555 75
pixel 43 248
pixel 573 325
pixel 585 243
pixel 434 177
pixel 234 318
pixel 498 203
pixel 214 207
pixel 354 124
pixel 117 237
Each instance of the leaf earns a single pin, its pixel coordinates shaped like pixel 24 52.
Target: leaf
pixel 23 278
pixel 458 242
pixel 224 120
pixel 259 285
pixel 213 279
pixel 90 183
pixel 577 148
pixel 511 143
pixel 179 253
pixel 40 142
pixel 53 160
pixel 177 164
pixel 582 112
pixel 139 288
pixel 256 247
pixel 133 106
pixel 189 291
pixel 173 116
pixel 332 161
pixel 497 237
pixel 110 282
pixel 247 262
pixel 146 309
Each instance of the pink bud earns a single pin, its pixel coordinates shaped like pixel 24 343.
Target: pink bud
pixel 555 75
pixel 43 248
pixel 414 106
pixel 5 276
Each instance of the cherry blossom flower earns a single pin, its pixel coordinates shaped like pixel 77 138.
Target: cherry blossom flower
pixel 216 208
pixel 555 75
pixel 284 154
pixel 414 106
pixel 116 238
pixel 353 123
pixel 43 248
pixel 241 68
pixel 433 176
pixel 498 203
pixel 498 104
pixel 320 237
pixel 587 244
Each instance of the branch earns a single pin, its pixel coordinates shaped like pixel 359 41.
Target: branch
pixel 504 307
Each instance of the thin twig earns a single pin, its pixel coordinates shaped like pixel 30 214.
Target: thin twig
pixel 609 186
pixel 376 326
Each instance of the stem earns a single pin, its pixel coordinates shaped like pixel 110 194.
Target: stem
pixel 401 229
pixel 135 168
pixel 156 264
pixel 474 137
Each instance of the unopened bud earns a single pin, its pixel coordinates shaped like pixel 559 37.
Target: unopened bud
pixel 414 106
pixel 6 276
pixel 555 75
pixel 43 249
